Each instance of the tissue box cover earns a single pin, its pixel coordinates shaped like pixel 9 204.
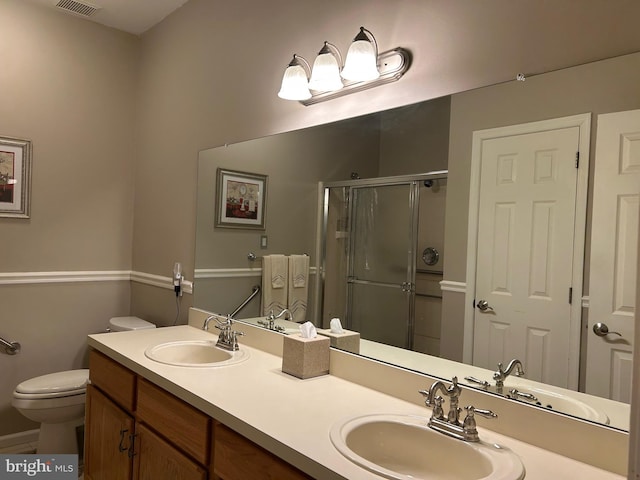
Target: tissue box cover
pixel 348 340
pixel 305 357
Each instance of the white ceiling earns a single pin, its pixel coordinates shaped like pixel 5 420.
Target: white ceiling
pixel 133 16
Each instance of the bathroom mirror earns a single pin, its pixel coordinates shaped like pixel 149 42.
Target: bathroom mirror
pixel 432 135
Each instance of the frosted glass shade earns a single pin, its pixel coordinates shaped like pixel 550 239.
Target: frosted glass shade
pixel 295 85
pixel 361 64
pixel 325 75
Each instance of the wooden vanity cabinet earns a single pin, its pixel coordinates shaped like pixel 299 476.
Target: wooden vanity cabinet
pixel 157 459
pixel 107 430
pixel 237 458
pixel 135 430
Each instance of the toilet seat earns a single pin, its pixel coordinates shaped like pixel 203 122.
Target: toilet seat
pixel 54 385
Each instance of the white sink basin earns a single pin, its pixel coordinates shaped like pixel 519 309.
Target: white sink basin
pixel 559 402
pixel 194 353
pixel 402 447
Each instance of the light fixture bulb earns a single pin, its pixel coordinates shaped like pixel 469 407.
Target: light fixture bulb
pixel 325 75
pixel 295 82
pixel 361 64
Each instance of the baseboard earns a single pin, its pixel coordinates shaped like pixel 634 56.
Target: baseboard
pixel 21 442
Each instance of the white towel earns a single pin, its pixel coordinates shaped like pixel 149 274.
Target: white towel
pixel 279 268
pixel 298 286
pixel 274 283
pixel 299 268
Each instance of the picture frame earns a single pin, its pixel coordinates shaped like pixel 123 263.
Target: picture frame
pixel 15 177
pixel 241 199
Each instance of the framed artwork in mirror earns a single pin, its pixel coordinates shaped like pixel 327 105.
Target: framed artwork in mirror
pixel 15 177
pixel 241 199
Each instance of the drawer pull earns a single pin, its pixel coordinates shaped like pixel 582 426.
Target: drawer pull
pixel 132 445
pixel 121 447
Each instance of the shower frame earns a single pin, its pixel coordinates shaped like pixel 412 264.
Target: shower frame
pixel 324 189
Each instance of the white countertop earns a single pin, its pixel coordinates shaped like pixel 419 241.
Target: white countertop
pixel 292 417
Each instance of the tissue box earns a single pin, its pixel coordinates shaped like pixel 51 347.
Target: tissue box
pixel 348 340
pixel 305 357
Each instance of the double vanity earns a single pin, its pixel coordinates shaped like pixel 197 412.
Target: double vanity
pixel 188 408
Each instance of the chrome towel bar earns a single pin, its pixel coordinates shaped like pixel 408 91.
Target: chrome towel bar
pixel 10 348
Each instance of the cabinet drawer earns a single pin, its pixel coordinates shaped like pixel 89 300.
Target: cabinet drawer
pixel 116 381
pixel 186 427
pixel 237 458
pixel 156 459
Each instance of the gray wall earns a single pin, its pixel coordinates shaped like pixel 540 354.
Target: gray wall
pixel 69 86
pixel 601 87
pixel 294 162
pixel 209 74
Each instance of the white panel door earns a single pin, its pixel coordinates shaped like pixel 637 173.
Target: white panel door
pixel 527 208
pixel 614 255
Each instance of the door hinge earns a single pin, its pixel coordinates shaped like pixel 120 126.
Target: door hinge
pixel 577 159
pixel 570 295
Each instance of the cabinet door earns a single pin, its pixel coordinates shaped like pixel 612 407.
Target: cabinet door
pixel 237 458
pixel 117 381
pixel 107 437
pixel 155 459
pixel 180 423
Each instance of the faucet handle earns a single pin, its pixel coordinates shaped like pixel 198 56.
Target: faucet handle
pixel 474 380
pixel 469 429
pixel 438 411
pixel 425 394
pixel 483 413
pixel 224 324
pixel 234 339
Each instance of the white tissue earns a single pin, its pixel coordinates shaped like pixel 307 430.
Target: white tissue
pixel 336 326
pixel 308 330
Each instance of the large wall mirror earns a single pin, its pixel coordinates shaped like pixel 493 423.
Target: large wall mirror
pixel 356 158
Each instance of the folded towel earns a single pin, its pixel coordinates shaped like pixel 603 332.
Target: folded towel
pixel 298 286
pixel 299 268
pixel 279 269
pixel 274 293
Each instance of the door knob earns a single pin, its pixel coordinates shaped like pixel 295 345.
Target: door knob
pixel 601 330
pixel 483 305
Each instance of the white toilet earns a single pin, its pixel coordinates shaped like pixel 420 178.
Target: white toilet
pixel 57 400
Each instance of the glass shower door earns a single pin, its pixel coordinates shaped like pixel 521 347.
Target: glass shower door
pixel 381 268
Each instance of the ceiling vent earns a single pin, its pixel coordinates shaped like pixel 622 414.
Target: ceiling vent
pixel 78 8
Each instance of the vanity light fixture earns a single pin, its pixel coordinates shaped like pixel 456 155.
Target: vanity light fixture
pixel 364 68
pixel 361 64
pixel 295 82
pixel 325 75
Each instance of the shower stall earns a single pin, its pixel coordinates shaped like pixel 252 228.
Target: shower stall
pixel 382 250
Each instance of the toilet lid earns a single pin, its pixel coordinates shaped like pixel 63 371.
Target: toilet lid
pixel 69 382
pixel 129 323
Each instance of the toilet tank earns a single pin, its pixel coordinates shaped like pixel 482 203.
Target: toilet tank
pixel 121 324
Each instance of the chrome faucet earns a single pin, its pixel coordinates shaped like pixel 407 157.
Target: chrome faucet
pixel 501 374
pixel 451 425
pixel 269 321
pixel 285 310
pixel 452 392
pixel 205 325
pixel 227 338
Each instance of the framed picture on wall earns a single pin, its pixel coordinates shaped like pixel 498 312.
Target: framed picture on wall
pixel 15 177
pixel 241 199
